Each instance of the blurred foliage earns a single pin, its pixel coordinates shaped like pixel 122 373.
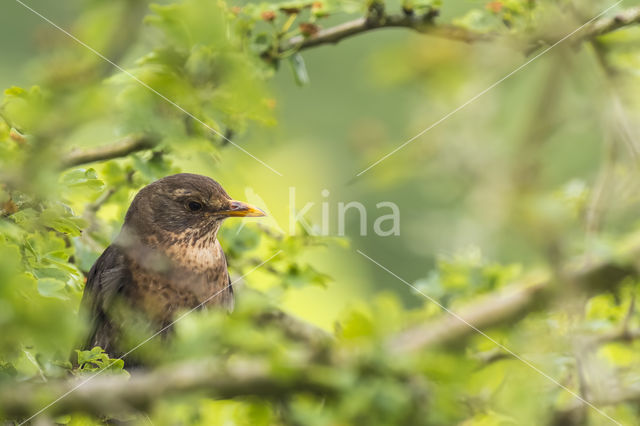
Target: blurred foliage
pixel 546 170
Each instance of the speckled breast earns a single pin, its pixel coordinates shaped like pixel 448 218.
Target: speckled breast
pixel 178 279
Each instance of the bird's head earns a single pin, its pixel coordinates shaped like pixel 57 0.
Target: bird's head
pixel 183 207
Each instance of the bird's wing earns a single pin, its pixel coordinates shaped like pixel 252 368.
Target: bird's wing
pixel 106 280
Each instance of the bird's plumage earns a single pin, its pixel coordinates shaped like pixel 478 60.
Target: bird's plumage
pixel 108 275
pixel 165 259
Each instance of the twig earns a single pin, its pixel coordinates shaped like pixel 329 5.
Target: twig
pixel 492 355
pixel 121 148
pixel 423 24
pixel 630 312
pixel 606 25
pixel 296 328
pixel 597 205
pixel 92 208
pixel 293 327
pixel 620 335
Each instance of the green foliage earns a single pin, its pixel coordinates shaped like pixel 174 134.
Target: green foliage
pixel 506 15
pixel 97 360
pixel 519 182
pixel 465 276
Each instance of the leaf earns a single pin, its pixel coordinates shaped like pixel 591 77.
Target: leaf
pixel 62 221
pixel 53 273
pixel 97 359
pixel 15 91
pixel 83 178
pixel 7 370
pixel 190 22
pixel 63 420
pixel 478 20
pixel 299 69
pixel 357 323
pixel 168 56
pixel 51 287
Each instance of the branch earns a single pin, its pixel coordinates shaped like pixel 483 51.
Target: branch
pixel 606 25
pixel 494 309
pixel 121 148
pixel 422 24
pixel 296 328
pixel 293 327
pixel 511 304
pixel 573 414
pixel 425 24
pixel 105 395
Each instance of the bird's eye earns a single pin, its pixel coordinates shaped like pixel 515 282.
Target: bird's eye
pixel 194 206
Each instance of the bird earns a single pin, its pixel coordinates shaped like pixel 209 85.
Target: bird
pixel 165 259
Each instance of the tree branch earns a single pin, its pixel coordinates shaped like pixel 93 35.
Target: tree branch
pixel 606 25
pixel 573 414
pixel 105 395
pixel 121 148
pixel 612 336
pixel 425 24
pixel 296 328
pixel 511 304
pixel 494 309
pixel 292 326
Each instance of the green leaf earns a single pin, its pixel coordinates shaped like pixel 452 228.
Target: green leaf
pixel 97 359
pixel 62 221
pixel 357 323
pixel 51 287
pixel 7 370
pixel 299 69
pixel 15 91
pixel 53 273
pixel 83 178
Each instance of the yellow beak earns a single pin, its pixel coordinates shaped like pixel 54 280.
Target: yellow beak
pixel 240 209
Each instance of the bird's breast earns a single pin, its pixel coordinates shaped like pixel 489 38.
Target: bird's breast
pixel 196 257
pixel 189 276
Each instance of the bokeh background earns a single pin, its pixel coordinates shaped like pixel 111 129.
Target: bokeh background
pixel 538 170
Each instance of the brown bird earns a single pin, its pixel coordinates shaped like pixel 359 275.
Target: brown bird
pixel 165 259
